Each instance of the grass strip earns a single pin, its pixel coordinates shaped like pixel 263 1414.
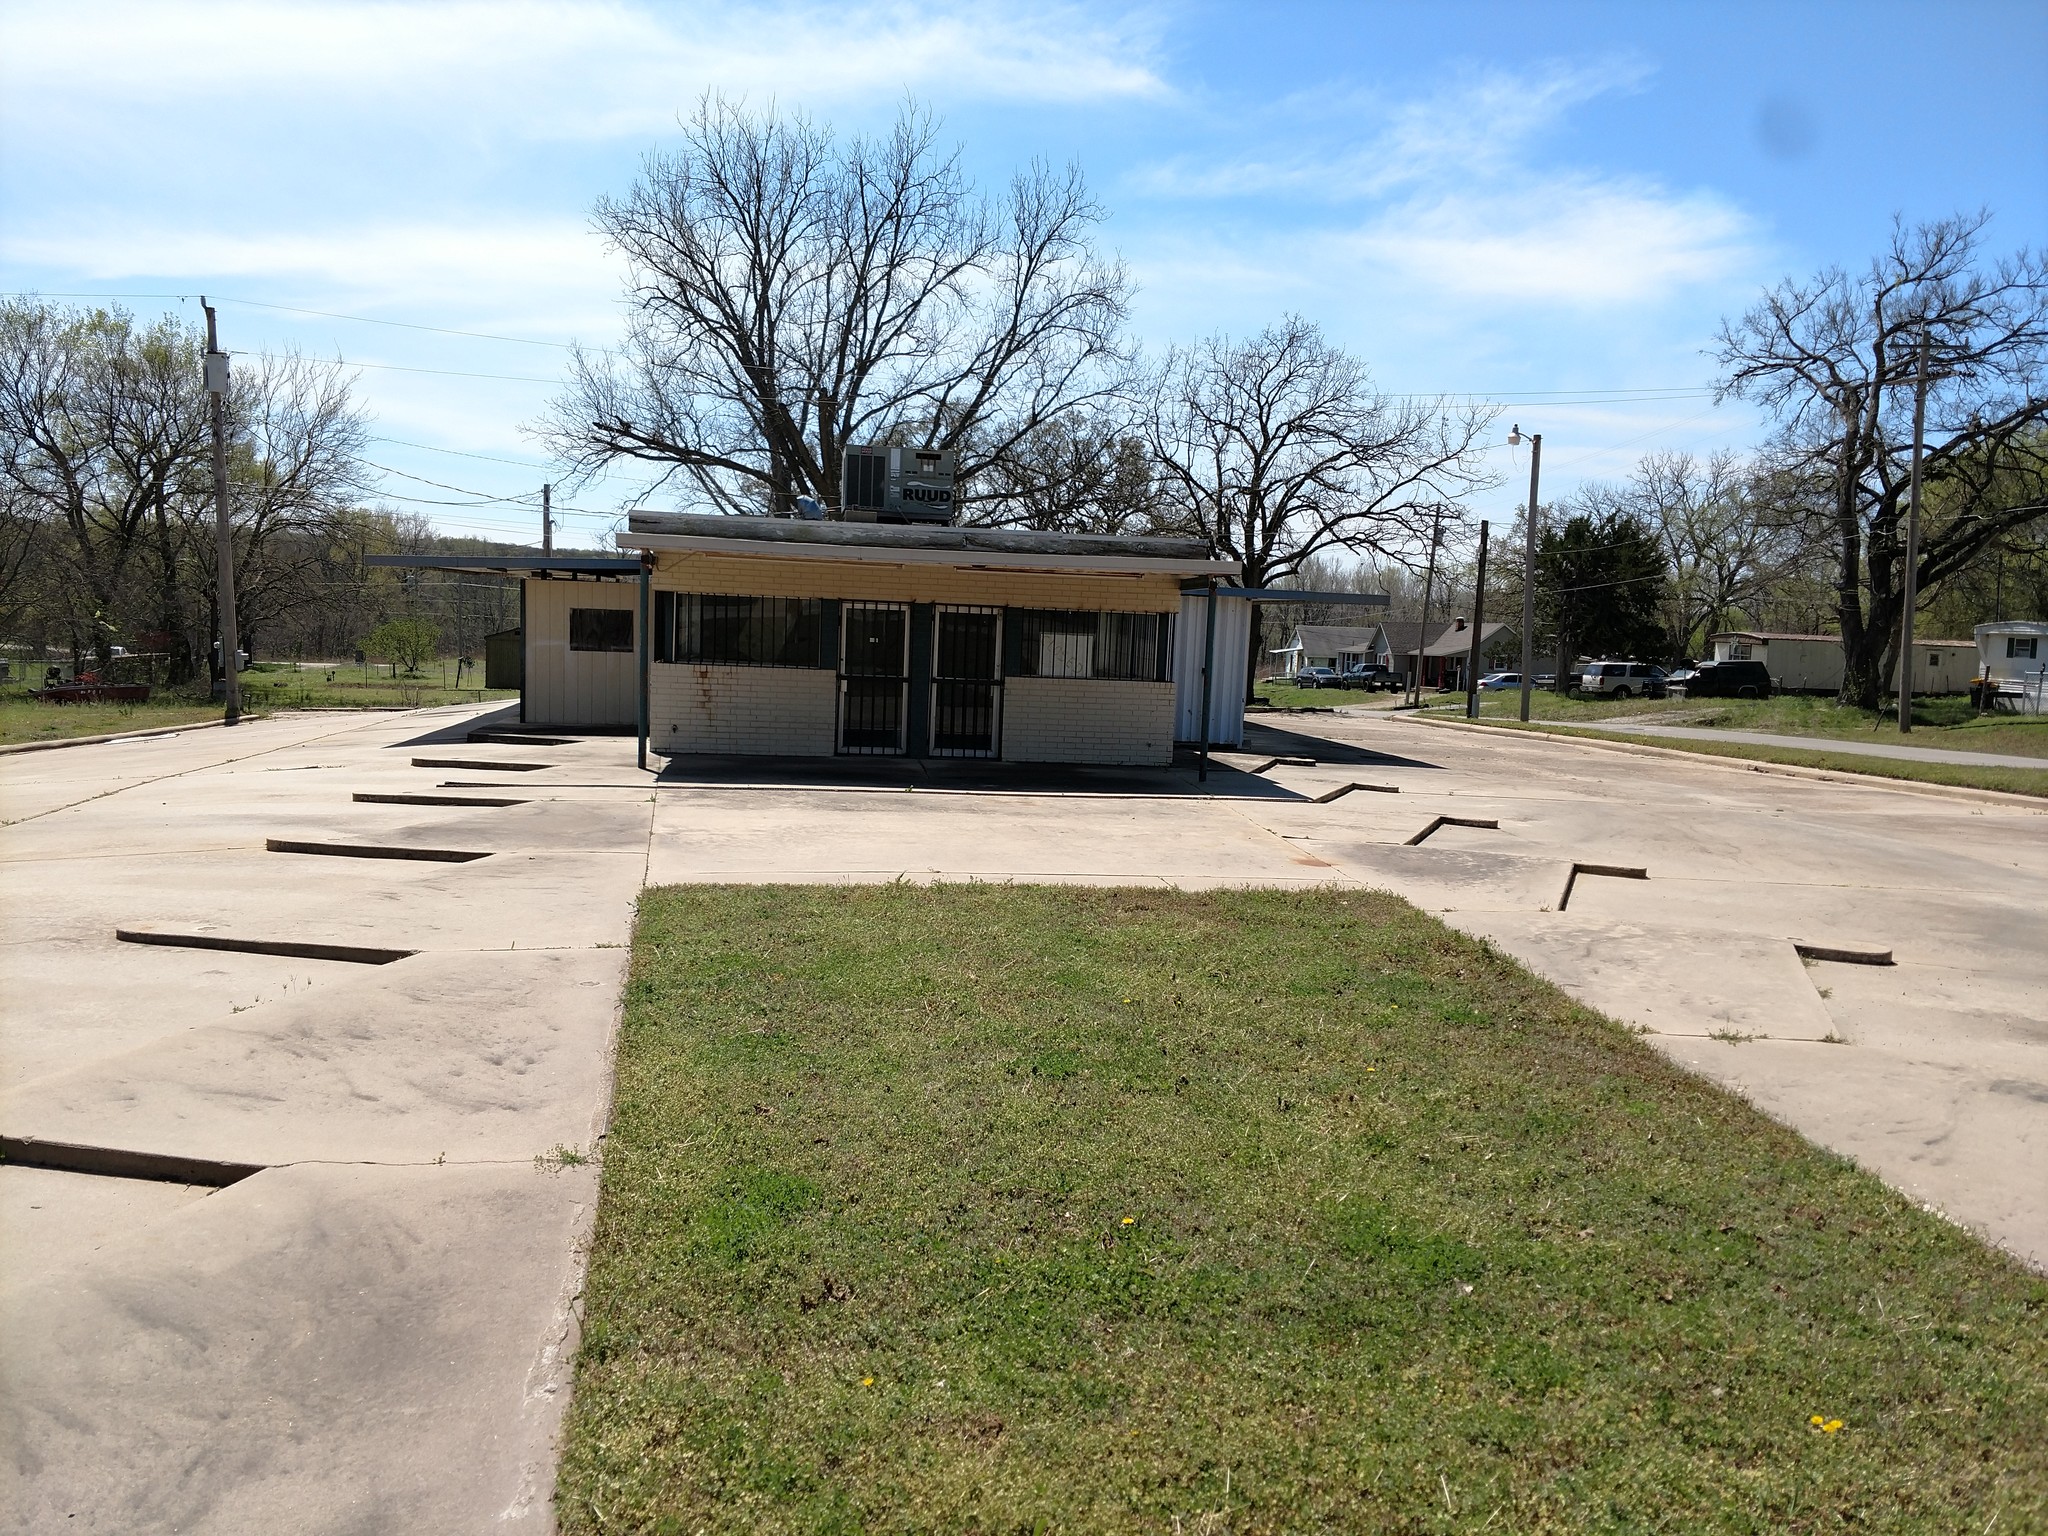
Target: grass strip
pixel 27 720
pixel 997 1208
pixel 2011 781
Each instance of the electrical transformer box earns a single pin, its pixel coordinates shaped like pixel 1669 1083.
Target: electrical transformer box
pixel 890 484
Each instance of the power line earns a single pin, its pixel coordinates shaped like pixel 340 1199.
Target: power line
pixel 446 373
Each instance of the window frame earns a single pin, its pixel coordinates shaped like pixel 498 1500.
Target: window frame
pixel 721 630
pixel 1134 644
pixel 624 618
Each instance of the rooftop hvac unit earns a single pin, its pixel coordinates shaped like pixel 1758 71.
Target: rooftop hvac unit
pixel 897 485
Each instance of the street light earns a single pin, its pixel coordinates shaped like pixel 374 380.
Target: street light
pixel 1528 560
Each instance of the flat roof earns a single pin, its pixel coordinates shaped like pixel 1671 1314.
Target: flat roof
pixel 919 544
pixel 514 565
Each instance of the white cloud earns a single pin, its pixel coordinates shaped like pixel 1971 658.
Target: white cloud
pixel 1455 202
pixel 543 68
pixel 1481 125
pixel 549 276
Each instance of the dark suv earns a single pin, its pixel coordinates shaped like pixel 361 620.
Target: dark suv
pixel 1369 676
pixel 1727 680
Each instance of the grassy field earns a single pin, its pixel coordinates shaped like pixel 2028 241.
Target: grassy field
pixel 286 685
pixel 1284 697
pixel 23 719
pixel 1939 720
pixel 1021 1209
pixel 266 686
pixel 2012 781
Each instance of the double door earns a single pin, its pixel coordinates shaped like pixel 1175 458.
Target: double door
pixel 943 697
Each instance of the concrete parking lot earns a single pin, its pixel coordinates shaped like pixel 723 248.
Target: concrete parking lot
pixel 345 1300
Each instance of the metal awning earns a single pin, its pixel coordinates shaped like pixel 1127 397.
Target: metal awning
pixel 540 567
pixel 1294 595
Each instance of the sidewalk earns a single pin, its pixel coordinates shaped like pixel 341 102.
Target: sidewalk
pixel 1884 747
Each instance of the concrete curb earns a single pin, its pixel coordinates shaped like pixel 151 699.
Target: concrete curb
pixel 87 741
pixel 1758 765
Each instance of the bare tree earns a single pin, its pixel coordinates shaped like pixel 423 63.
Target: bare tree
pixel 297 465
pixel 1278 448
pixel 1835 358
pixel 790 294
pixel 1726 546
pixel 1082 472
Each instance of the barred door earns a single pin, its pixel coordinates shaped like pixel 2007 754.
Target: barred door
pixel 967 649
pixel 874 674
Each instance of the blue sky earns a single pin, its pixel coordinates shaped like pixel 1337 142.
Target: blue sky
pixel 1552 205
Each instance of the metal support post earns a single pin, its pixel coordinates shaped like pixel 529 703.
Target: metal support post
pixel 645 648
pixel 1912 583
pixel 1529 571
pixel 223 531
pixel 1478 626
pixel 1208 667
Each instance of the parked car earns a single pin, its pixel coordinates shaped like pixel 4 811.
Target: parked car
pixel 1621 680
pixel 1317 677
pixel 1727 680
pixel 1497 681
pixel 1368 675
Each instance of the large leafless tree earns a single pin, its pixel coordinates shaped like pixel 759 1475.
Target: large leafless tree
pixel 1278 448
pixel 1835 357
pixel 790 293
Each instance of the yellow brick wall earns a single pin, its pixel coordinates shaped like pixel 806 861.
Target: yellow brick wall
pixel 785 711
pixel 873 581
pixel 1087 720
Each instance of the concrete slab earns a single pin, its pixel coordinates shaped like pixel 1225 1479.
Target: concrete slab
pixel 1450 879
pixel 461 1057
pixel 321 1350
pixel 62 1219
pixel 51 1023
pixel 880 835
pixel 1656 979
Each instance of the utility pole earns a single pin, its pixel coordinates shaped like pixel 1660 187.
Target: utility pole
pixel 223 534
pixel 1912 543
pixel 1436 535
pixel 1478 625
pixel 1529 564
pixel 547 519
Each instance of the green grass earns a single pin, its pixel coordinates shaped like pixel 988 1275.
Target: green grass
pixel 23 719
pixel 1283 697
pixel 266 686
pixel 1022 1209
pixel 1939 720
pixel 284 685
pixel 2011 781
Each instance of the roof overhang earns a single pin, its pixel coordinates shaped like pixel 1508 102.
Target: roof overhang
pixel 1049 562
pixel 538 567
pixel 1295 595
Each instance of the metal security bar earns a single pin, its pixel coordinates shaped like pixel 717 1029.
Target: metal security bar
pixel 874 677
pixel 966 700
pixel 1069 643
pixel 705 630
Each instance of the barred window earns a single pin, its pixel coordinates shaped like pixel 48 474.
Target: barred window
pixel 600 629
pixel 738 631
pixel 1061 643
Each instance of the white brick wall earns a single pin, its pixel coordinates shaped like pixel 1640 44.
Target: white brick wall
pixel 790 711
pixel 1087 720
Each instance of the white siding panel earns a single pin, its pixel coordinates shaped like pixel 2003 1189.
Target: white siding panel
pixel 565 687
pixel 1233 650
